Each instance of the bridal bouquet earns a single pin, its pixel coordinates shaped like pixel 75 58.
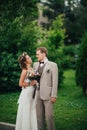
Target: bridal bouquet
pixel 34 76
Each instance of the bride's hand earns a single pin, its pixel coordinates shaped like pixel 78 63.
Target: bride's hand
pixel 33 83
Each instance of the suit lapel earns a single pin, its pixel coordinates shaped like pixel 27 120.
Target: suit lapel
pixel 45 67
pixel 37 65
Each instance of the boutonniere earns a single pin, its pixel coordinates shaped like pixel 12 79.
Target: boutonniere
pixel 48 70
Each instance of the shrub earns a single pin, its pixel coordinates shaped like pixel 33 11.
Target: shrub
pixel 53 40
pixel 70 53
pixel 81 69
pixel 15 39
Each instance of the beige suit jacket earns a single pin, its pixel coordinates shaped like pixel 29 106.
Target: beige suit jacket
pixel 48 80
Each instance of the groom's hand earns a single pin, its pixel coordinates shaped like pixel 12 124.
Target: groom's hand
pixel 53 99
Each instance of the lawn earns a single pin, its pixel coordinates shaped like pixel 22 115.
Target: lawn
pixel 71 106
pixel 70 110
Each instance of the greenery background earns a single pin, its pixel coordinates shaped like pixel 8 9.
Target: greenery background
pixel 64 35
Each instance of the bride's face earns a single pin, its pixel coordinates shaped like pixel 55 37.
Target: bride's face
pixel 28 60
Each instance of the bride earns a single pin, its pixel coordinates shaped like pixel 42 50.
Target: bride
pixel 26 114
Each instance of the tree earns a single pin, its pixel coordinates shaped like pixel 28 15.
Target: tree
pixel 16 31
pixel 53 40
pixel 81 70
pixel 84 3
pixel 51 9
pixel 75 21
pixel 10 9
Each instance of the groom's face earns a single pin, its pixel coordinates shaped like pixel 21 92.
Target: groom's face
pixel 40 56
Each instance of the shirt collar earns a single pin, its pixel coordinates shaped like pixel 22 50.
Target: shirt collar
pixel 45 61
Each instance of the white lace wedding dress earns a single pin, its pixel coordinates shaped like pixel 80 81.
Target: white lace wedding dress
pixel 26 114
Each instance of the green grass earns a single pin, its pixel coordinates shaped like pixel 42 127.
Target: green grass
pixel 71 106
pixel 70 110
pixel 8 107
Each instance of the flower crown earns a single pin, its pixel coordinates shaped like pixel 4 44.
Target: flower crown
pixel 23 55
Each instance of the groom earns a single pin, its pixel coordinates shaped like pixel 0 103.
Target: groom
pixel 47 92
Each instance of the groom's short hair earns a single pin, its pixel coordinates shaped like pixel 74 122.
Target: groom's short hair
pixel 43 50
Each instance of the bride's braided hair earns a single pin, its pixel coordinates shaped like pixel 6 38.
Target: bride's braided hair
pixel 22 60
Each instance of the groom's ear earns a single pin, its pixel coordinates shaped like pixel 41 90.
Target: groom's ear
pixel 44 54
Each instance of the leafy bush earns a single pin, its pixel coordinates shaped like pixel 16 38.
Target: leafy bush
pixel 15 39
pixel 81 69
pixel 18 37
pixel 53 40
pixel 70 53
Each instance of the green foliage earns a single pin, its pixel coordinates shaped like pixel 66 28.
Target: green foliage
pixel 56 35
pixel 10 39
pixel 81 70
pixel 53 40
pixel 17 34
pixel 10 9
pixel 84 3
pixel 55 7
pixel 16 39
pixel 70 56
pixel 9 72
pixel 75 21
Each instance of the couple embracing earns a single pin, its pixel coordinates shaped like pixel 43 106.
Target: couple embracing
pixel 34 111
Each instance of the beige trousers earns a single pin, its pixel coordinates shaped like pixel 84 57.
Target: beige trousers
pixel 44 110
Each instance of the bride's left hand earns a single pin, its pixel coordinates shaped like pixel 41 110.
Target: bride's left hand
pixel 33 83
